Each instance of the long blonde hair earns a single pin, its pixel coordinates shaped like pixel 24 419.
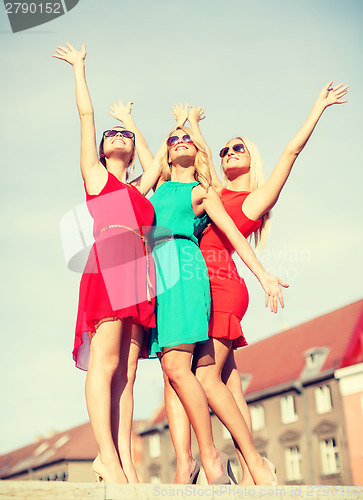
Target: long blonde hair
pixel 202 172
pixel 257 179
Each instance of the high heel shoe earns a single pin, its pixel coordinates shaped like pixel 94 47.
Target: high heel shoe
pixel 274 482
pixel 194 475
pixel 97 467
pixel 227 471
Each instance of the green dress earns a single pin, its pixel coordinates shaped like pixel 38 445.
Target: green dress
pixel 182 283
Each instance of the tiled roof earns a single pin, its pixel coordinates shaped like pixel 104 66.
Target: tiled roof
pixel 280 359
pixel 74 444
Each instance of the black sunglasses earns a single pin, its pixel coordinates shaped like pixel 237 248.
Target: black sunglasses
pixel 125 133
pixel 238 148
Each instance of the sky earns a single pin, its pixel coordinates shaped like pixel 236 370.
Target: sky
pixel 257 68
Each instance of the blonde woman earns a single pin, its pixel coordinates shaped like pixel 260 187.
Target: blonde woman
pixel 248 200
pixel 182 202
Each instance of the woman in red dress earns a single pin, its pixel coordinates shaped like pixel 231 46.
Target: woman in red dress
pixel 116 300
pixel 248 201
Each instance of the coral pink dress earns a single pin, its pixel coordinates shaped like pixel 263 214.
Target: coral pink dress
pixel 118 279
pixel 228 290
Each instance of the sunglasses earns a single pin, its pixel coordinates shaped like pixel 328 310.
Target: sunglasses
pixel 125 133
pixel 238 148
pixel 174 139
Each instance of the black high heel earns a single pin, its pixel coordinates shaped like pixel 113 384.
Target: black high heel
pixel 194 475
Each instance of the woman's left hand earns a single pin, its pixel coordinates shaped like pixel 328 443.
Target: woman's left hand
pixel 120 111
pixel 271 284
pixel 332 95
pixel 196 114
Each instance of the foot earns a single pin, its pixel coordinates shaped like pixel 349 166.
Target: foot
pixel 213 469
pixel 184 471
pixel 264 473
pixel 109 472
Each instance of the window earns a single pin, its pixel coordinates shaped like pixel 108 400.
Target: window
pixel 329 456
pixel 155 479
pixel 293 463
pixel 257 417
pixel 288 411
pixel 312 360
pixel 154 446
pixel 323 399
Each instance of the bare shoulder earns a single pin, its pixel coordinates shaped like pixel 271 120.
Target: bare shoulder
pixel 95 179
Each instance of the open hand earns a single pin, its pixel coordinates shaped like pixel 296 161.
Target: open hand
pixel 196 114
pixel 70 54
pixel 271 284
pixel 120 111
pixel 332 95
pixel 180 113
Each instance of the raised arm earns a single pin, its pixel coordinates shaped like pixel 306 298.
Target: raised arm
pixel 91 169
pixel 194 117
pixel 123 113
pixel 213 205
pixel 263 199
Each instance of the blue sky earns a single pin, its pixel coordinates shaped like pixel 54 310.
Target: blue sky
pixel 257 68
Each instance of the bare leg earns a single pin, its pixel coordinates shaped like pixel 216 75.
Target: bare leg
pixel 179 427
pixel 231 378
pixel 122 396
pixel 223 404
pixel 176 365
pixel 103 363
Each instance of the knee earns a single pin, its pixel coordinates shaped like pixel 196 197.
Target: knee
pixel 207 380
pixel 172 371
pixel 131 372
pixel 107 364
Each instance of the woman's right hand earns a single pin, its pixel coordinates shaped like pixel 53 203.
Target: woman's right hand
pixel 180 114
pixel 70 54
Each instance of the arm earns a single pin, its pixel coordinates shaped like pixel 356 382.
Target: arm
pixel 152 176
pixel 195 115
pixel 213 205
pixel 264 198
pixel 123 113
pixel 92 170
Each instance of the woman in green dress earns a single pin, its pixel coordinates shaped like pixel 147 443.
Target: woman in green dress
pixel 181 206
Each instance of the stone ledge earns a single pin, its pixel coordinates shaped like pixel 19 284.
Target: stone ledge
pixel 38 490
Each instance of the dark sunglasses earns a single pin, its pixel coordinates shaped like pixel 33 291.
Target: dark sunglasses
pixel 174 139
pixel 238 148
pixel 125 133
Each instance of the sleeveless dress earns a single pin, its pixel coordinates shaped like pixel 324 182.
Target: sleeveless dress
pixel 229 295
pixel 183 297
pixel 118 278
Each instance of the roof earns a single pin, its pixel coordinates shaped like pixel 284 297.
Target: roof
pixel 280 359
pixel 74 444
pixel 339 331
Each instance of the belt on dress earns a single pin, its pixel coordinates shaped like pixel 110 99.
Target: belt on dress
pixel 174 237
pixel 147 250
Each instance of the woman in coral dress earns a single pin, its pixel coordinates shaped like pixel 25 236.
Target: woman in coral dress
pixel 248 200
pixel 116 299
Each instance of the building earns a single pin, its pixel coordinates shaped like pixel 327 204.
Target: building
pixel 304 388
pixel 64 456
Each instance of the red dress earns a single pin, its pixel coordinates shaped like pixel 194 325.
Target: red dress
pixel 118 278
pixel 228 290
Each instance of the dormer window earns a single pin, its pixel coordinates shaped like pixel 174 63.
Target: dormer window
pixel 315 358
